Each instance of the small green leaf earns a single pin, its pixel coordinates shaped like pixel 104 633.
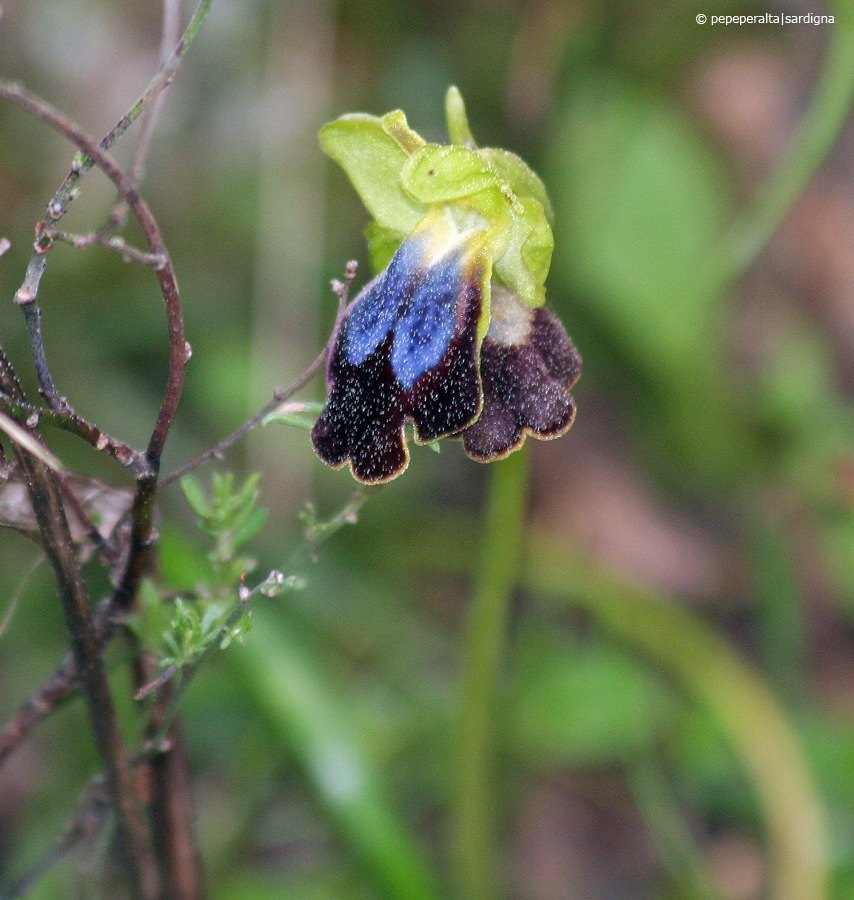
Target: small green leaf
pixel 251 526
pixel 248 494
pixel 303 416
pixel 195 497
pixel 208 624
pixel 237 631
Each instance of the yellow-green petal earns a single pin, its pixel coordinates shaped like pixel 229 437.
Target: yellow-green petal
pixel 523 180
pixel 524 265
pixel 440 173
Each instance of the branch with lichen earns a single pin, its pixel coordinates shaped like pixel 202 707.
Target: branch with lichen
pixel 27 295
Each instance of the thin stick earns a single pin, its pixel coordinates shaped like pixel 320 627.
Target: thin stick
pixel 87 820
pixel 82 165
pixel 178 350
pixel 142 511
pixel 114 243
pixel 71 421
pixel 341 288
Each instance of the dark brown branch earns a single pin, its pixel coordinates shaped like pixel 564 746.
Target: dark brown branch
pixel 171 806
pixel 142 513
pixel 182 873
pixel 62 555
pixel 172 803
pixel 178 349
pixel 27 296
pixel 33 319
pixel 71 421
pixel 62 683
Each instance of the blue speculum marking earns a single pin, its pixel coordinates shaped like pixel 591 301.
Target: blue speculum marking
pixel 418 304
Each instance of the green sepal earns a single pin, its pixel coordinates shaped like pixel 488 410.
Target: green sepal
pixel 382 244
pixel 400 178
pixel 373 160
pixel 458 120
pixel 525 263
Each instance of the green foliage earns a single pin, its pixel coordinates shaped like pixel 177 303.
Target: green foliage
pixel 285 679
pixel 192 630
pixel 231 517
pixel 179 631
pixel 585 703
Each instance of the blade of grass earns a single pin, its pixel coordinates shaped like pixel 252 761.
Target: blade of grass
pixel 819 129
pixel 710 670
pixel 306 716
pixel 669 831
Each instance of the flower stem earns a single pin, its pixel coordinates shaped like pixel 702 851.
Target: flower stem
pixel 474 827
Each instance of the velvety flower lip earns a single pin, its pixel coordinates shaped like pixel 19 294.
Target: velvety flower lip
pixel 406 350
pixel 527 366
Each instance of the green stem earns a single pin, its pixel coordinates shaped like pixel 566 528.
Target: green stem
pixel 474 828
pixel 818 132
pixel 668 830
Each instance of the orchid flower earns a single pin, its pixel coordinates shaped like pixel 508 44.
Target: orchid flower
pixel 451 335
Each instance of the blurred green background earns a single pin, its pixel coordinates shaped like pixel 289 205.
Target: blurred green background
pixel 675 705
